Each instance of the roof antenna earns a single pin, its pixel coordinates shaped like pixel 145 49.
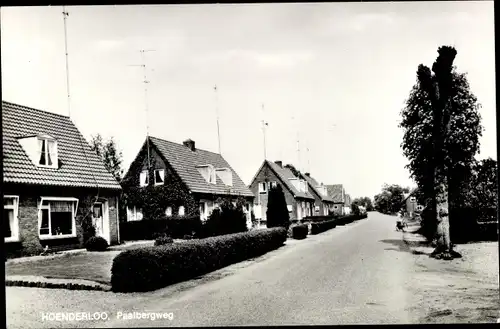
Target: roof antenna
pixel 217 114
pixel 145 81
pixel 66 14
pixel 298 144
pixel 264 125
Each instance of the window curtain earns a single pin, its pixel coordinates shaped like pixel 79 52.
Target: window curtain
pixel 41 147
pixel 61 206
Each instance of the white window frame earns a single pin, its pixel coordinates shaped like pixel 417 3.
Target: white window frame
pixel 162 174
pixel 263 187
pixel 273 184
pixel 73 217
pixel 53 155
pixel 183 211
pixel 14 229
pixel 133 217
pixel 144 178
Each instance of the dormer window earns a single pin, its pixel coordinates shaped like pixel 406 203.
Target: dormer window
pixel 42 150
pixel 208 173
pixel 144 178
pixel 159 176
pixel 226 175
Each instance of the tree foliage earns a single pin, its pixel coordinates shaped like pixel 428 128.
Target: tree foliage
pixel 365 202
pixel 460 144
pixel 109 153
pixel 390 200
pixel 228 218
pixel 277 210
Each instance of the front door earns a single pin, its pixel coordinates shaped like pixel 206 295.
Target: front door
pixel 98 219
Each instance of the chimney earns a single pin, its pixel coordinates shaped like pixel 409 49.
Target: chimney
pixel 279 163
pixel 189 144
pixel 307 174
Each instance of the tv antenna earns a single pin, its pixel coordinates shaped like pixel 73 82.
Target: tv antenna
pixel 264 127
pixel 65 15
pixel 217 115
pixel 146 82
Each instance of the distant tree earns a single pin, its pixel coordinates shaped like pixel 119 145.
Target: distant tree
pixel 390 200
pixel 277 210
pixel 442 127
pixel 355 209
pixel 109 154
pixel 365 202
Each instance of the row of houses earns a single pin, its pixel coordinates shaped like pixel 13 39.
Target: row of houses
pixel 54 183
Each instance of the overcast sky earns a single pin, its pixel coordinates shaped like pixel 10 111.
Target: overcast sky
pixel 342 70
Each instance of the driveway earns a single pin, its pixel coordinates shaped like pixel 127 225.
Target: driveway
pixel 353 274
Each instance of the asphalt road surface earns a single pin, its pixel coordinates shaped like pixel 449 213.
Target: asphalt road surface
pixel 353 274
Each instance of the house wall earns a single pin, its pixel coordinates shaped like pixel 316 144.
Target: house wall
pixel 29 197
pixel 261 198
pixel 338 208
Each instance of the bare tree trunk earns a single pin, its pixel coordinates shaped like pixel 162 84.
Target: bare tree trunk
pixel 444 247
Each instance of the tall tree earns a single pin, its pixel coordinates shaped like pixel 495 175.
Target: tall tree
pixel 441 136
pixel 109 153
pixel 277 210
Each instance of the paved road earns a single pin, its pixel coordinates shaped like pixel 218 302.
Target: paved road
pixel 355 274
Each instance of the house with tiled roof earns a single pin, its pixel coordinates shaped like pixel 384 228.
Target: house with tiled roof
pixel 337 193
pixel 323 203
pixel 52 183
pixel 189 180
pixel 299 199
pixel 410 203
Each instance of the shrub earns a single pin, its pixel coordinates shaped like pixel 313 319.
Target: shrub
pixel 87 228
pixel 320 227
pixel 163 239
pixel 156 267
pixel 96 243
pixel 277 210
pixel 226 219
pixel 300 231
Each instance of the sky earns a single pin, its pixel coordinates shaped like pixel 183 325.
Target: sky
pixel 330 79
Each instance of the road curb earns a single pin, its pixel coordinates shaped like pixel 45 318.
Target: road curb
pixel 42 282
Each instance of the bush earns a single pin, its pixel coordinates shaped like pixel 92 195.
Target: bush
pixel 163 239
pixel 96 243
pixel 87 228
pixel 300 231
pixel 277 210
pixel 156 267
pixel 321 227
pixel 226 219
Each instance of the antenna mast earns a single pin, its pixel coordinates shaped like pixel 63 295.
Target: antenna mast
pixel 65 15
pixel 264 125
pixel 146 82
pixel 217 114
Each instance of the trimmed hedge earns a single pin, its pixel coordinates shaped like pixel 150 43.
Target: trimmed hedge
pixel 321 227
pixel 150 268
pixel 300 231
pixel 324 218
pixel 163 239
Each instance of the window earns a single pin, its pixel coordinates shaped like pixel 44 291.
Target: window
pixel 336 207
pixel 47 152
pixel 316 208
pixel 159 176
pixel 208 173
pixel 262 187
pixel 203 211
pixel 413 199
pixel 181 211
pixel 10 218
pixel 168 212
pixel 57 217
pixel 144 178
pixel 274 184
pixel 289 207
pixel 134 214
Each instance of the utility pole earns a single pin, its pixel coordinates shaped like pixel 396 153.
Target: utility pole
pixel 146 82
pixel 65 15
pixel 217 114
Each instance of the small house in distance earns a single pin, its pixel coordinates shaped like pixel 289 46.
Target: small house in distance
pixel 300 201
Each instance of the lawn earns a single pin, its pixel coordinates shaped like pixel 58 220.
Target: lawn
pixel 93 266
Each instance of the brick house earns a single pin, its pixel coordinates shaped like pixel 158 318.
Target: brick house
pixel 410 204
pixel 299 200
pixel 338 195
pixel 52 182
pixel 323 204
pixel 191 178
